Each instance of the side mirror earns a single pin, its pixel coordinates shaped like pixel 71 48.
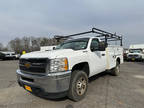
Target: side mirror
pixel 54 48
pixel 102 46
pixel 93 48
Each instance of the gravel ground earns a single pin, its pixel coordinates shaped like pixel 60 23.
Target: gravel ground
pixel 105 91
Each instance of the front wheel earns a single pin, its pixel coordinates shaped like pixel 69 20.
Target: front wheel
pixel 78 85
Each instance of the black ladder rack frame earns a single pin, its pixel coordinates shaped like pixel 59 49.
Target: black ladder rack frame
pixel 104 35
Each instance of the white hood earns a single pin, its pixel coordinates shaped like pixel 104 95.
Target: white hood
pixel 49 54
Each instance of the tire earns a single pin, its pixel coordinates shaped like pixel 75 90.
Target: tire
pixel 78 85
pixel 116 71
pixel 14 58
pixel 3 59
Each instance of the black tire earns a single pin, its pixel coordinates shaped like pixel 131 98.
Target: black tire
pixel 14 58
pixel 77 89
pixel 116 71
pixel 3 59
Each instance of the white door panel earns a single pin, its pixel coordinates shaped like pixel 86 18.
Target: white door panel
pixel 97 59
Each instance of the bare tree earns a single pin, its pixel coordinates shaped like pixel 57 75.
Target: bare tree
pixel 26 43
pixel 44 42
pixel 29 44
pixel 15 45
pixel 48 42
pixel 1 46
pixel 35 42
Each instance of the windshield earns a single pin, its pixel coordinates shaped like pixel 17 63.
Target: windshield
pixel 76 44
pixel 135 51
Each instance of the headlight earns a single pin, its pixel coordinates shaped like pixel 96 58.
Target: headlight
pixel 59 65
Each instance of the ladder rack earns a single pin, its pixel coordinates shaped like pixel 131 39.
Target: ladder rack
pixel 104 35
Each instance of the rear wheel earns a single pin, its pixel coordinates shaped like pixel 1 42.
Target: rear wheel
pixel 78 85
pixel 116 71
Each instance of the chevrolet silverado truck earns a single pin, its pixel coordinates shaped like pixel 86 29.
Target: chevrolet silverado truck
pixel 65 70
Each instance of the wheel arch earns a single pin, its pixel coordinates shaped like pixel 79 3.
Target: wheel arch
pixel 82 66
pixel 118 60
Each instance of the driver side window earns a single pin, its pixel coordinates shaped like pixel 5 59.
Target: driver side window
pixel 94 45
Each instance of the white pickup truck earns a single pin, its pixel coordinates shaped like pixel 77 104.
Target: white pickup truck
pixel 65 70
pixel 136 52
pixel 5 55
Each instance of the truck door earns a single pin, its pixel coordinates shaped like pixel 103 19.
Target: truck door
pixel 97 58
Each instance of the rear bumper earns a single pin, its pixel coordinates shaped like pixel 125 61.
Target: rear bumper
pixel 51 85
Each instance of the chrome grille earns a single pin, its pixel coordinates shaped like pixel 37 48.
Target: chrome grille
pixel 34 65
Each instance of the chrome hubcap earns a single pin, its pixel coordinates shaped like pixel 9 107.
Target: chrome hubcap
pixel 81 86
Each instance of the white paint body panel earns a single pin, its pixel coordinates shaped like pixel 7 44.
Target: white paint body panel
pixel 98 61
pixel 112 53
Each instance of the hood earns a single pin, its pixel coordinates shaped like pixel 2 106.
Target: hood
pixel 49 54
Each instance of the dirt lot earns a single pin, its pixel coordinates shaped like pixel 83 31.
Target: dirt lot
pixel 105 91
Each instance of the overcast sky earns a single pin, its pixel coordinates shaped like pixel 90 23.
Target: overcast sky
pixel 20 18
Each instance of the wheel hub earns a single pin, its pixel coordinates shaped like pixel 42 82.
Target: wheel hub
pixel 81 86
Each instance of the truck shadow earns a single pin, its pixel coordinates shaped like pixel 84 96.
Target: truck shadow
pixel 91 79
pixel 50 99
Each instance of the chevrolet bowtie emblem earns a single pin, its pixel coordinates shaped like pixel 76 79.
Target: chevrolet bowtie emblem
pixel 27 65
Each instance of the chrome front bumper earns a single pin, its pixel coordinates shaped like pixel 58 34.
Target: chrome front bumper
pixel 51 83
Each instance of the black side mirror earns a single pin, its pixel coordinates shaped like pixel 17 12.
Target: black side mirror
pixel 102 46
pixel 54 48
pixel 93 49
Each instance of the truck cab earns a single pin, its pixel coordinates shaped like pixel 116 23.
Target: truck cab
pixel 65 70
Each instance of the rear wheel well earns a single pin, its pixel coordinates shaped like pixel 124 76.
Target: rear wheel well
pixel 118 60
pixel 84 66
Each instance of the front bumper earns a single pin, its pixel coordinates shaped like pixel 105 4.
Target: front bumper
pixel 45 85
pixel 134 59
